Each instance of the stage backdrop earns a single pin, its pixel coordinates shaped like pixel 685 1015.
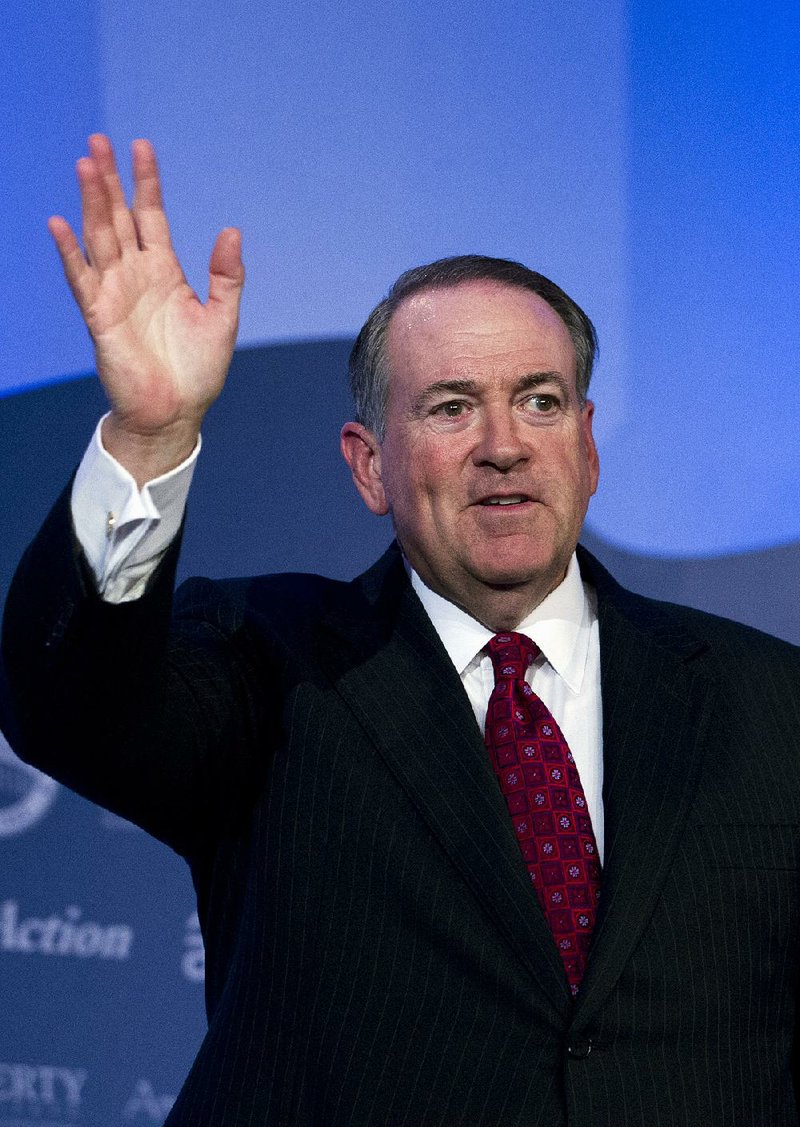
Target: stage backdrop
pixel 644 155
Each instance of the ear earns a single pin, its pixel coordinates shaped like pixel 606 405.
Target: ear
pixel 362 452
pixel 587 415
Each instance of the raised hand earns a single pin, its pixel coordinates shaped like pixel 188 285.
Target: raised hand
pixel 162 355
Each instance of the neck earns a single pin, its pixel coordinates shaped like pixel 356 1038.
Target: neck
pixel 500 610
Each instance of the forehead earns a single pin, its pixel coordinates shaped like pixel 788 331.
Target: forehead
pixel 476 329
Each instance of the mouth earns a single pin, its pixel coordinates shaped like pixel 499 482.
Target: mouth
pixel 504 500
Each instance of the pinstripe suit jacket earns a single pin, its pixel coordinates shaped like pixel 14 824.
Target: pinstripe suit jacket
pixel 374 953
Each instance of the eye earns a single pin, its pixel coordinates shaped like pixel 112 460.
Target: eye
pixel 453 409
pixel 543 403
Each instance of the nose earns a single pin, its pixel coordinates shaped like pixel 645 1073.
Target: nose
pixel 501 442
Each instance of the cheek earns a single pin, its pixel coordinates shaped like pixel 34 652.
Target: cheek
pixel 408 489
pixel 399 476
pixel 570 485
pixel 421 469
pixel 423 477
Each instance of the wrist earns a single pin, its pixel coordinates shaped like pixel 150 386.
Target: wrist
pixel 149 455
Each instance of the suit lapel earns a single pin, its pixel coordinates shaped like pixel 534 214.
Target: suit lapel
pixel 655 718
pixel 387 662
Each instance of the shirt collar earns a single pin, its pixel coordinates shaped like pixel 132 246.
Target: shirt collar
pixel 560 626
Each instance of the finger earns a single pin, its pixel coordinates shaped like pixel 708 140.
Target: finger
pixel 99 236
pixel 78 272
pixel 148 206
pixel 226 273
pixel 102 153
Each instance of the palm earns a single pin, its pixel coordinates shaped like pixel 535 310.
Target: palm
pixel 161 354
pixel 159 350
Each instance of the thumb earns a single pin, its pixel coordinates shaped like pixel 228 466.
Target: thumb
pixel 226 271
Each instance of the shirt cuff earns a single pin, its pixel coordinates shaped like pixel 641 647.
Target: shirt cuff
pixel 125 531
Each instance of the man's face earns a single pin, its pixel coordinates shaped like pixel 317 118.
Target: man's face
pixel 488 460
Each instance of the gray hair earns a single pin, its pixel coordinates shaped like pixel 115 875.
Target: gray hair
pixel 369 369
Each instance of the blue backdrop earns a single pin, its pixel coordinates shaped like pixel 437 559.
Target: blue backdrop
pixel 645 155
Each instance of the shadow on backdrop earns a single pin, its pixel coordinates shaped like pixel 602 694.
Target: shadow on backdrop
pixel 272 493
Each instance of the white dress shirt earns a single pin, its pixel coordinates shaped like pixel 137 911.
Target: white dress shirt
pixel 125 531
pixel 566 676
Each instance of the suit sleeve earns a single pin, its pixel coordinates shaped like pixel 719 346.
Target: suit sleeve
pixel 181 761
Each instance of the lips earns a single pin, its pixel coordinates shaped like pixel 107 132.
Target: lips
pixel 501 499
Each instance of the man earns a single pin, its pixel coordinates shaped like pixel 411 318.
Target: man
pixel 381 943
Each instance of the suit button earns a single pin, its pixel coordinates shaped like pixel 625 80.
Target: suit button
pixel 579 1049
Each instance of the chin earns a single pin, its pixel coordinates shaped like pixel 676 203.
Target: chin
pixel 500 557
pixel 516 572
pixel 506 577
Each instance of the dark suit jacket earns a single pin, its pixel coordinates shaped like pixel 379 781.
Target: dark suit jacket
pixel 374 952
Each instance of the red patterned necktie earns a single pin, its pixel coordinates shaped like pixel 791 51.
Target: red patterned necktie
pixel 542 788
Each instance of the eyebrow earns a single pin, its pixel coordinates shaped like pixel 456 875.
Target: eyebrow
pixel 472 387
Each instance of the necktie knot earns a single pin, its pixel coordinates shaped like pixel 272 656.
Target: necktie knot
pixel 511 654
